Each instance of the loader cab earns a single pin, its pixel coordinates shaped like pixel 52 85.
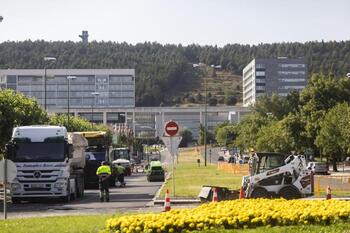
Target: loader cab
pixel 268 161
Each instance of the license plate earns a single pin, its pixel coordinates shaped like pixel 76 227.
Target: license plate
pixel 37 186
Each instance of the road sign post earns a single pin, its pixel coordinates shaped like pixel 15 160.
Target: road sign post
pixel 9 172
pixel 172 142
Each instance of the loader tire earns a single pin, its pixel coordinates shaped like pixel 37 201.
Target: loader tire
pixel 289 192
pixel 260 192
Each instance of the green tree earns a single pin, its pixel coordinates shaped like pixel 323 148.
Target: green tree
pixel 187 137
pixel 275 137
pixel 226 135
pixel 76 124
pixel 213 101
pixel 209 135
pixel 321 94
pixel 248 129
pixel 333 137
pixel 16 110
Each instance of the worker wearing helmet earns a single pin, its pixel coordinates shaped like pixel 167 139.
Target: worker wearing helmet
pixel 104 172
pixel 253 160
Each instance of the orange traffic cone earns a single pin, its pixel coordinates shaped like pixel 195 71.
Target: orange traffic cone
pixel 167 201
pixel 241 193
pixel 215 195
pixel 329 193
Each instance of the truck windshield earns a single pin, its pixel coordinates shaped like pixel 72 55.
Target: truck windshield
pixel 39 152
pixel 121 154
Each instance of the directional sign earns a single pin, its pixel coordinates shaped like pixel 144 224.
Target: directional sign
pixel 172 143
pixel 171 128
pixel 11 170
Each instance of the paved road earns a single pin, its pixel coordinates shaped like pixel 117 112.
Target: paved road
pixel 134 197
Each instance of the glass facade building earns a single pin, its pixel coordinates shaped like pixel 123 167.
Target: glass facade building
pixel 115 87
pixel 267 76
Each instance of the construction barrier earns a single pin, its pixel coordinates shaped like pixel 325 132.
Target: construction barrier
pixel 338 185
pixel 239 169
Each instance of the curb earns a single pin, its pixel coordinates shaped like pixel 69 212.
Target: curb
pixel 178 201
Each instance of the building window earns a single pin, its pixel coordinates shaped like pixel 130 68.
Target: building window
pixel 291 80
pixel 291 72
pixel 260 73
pixel 292 65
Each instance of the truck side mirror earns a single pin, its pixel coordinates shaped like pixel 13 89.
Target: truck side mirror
pixel 10 150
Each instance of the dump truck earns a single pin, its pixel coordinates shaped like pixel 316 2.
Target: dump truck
pixel 97 151
pixel 50 163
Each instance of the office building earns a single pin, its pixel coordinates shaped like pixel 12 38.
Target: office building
pixel 112 87
pixel 267 76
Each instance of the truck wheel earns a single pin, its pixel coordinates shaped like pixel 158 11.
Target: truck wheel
pixel 260 192
pixel 16 200
pixel 289 192
pixel 68 197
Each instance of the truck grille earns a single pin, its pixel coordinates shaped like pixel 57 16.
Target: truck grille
pixel 35 176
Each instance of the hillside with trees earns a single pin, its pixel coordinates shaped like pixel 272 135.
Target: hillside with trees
pixel 164 73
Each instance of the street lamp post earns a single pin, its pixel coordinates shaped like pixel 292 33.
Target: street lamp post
pixel 94 94
pixel 68 116
pixel 199 65
pixel 205 122
pixel 46 61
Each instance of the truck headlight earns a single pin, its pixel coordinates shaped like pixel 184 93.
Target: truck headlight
pixel 60 184
pixel 15 187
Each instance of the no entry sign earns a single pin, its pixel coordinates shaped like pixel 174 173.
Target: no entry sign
pixel 171 128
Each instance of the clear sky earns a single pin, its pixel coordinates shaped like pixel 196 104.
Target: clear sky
pixel 212 22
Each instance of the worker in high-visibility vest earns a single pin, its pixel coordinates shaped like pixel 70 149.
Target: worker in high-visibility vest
pixel 120 170
pixel 104 172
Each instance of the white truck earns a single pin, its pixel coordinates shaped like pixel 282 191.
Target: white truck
pixel 50 163
pixel 275 175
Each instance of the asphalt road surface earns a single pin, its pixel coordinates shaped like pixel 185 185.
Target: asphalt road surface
pixel 136 196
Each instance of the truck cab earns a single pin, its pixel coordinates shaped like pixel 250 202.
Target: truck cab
pixel 49 162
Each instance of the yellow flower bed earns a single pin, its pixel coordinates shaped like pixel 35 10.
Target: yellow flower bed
pixel 235 214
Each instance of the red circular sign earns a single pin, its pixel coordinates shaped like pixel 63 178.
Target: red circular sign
pixel 171 128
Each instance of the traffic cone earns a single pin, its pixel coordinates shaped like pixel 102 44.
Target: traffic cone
pixel 241 193
pixel 167 201
pixel 329 193
pixel 215 195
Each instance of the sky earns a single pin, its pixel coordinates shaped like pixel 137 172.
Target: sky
pixel 203 22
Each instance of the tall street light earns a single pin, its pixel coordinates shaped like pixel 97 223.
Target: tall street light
pixel 69 78
pixel 47 60
pixel 94 94
pixel 199 65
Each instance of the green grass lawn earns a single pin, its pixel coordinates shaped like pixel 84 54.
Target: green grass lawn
pixel 61 224
pixel 189 178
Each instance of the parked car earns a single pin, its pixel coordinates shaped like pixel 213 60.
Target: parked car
pixel 318 167
pixel 347 161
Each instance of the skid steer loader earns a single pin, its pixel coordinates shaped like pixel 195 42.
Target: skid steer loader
pixel 278 175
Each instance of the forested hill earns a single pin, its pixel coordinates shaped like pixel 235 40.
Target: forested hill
pixel 164 71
